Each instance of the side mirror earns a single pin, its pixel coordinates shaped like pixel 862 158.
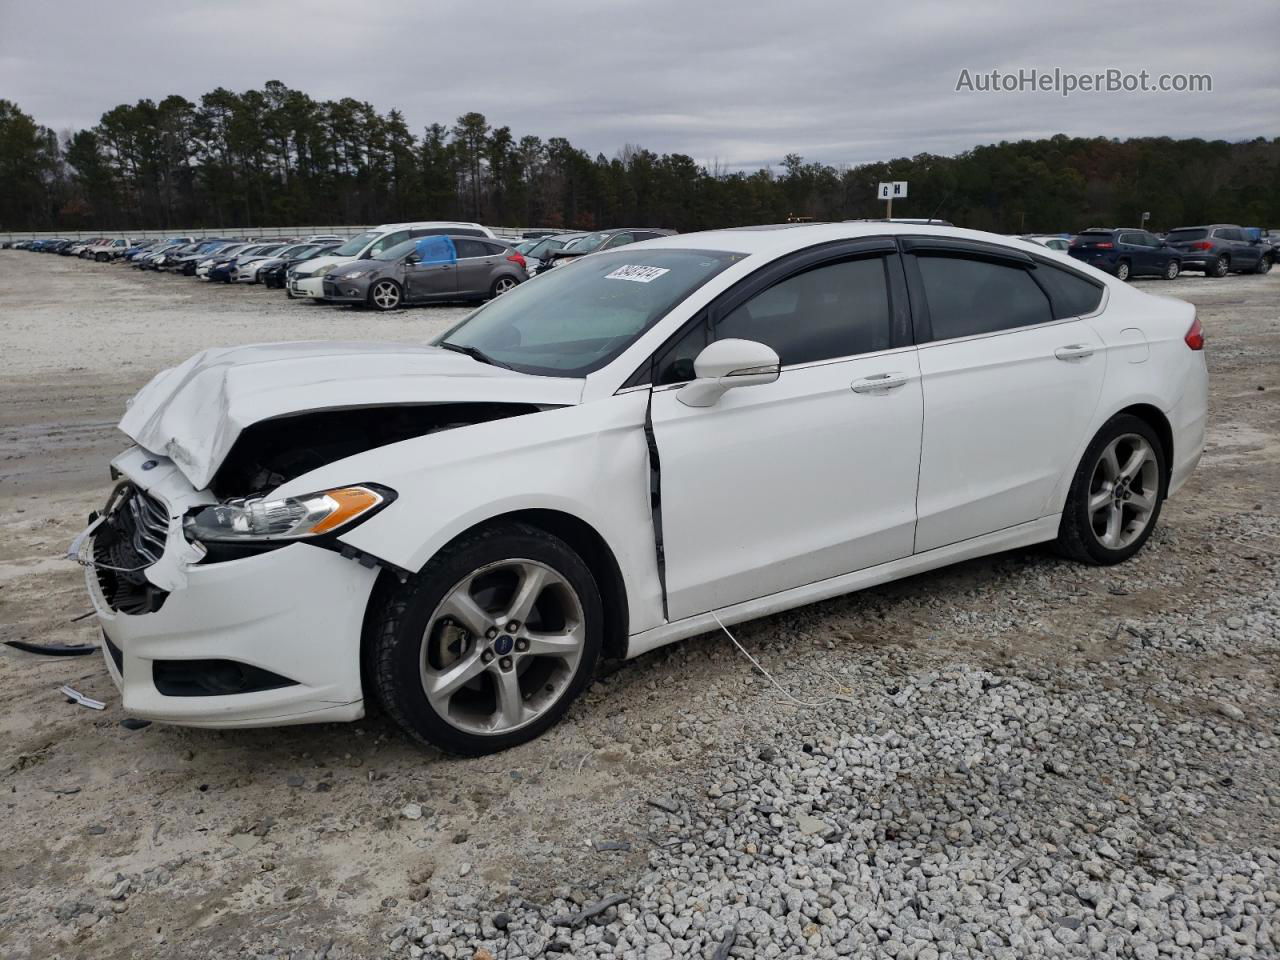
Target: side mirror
pixel 726 364
pixel 413 258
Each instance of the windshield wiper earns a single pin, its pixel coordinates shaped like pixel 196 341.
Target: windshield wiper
pixel 475 353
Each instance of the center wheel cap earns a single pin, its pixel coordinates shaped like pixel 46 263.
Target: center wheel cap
pixel 503 645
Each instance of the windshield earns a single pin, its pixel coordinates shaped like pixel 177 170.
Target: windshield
pixel 1179 236
pixel 590 242
pixel 543 247
pixel 356 244
pixel 396 252
pixel 571 321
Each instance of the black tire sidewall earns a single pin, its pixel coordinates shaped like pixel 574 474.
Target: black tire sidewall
pixel 399 634
pixel 1075 534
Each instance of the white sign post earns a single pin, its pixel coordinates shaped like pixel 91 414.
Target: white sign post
pixel 888 191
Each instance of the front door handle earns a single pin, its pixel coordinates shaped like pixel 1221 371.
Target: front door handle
pixel 1074 351
pixel 879 383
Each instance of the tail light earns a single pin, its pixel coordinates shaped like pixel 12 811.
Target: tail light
pixel 1106 245
pixel 518 258
pixel 1195 336
pixel 1202 245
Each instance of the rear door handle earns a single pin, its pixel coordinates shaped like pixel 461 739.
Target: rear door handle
pixel 879 383
pixel 1074 351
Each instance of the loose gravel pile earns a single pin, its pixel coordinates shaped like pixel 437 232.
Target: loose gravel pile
pixel 958 812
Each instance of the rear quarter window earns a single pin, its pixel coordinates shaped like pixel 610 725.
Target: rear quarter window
pixel 1070 295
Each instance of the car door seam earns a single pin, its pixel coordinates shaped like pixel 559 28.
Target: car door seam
pixel 655 503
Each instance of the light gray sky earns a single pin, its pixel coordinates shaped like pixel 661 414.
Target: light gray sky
pixel 742 82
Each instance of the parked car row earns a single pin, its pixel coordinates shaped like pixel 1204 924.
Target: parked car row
pixel 385 267
pixel 1214 250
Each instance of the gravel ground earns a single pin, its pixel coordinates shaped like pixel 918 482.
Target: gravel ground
pixel 1013 757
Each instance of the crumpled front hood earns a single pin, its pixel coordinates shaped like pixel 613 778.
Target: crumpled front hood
pixel 193 413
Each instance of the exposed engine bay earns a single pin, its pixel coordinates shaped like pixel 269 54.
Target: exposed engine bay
pixel 272 452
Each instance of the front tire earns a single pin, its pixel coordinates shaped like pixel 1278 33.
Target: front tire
pixel 1172 269
pixel 1116 494
pixel 488 645
pixel 385 295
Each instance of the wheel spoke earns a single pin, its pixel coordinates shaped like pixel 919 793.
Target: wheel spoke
pixel 462 607
pixel 442 685
pixel 533 580
pixel 1110 464
pixel 510 701
pixel 1115 524
pixel 1141 501
pixel 1135 461
pixel 1099 501
pixel 563 645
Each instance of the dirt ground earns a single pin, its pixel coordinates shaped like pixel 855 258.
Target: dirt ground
pixel 176 843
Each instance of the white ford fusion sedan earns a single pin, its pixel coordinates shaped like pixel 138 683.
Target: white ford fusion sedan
pixel 610 457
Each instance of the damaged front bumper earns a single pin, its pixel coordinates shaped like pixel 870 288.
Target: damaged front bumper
pixel 263 640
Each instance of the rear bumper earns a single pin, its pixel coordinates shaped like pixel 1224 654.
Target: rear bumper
pixel 1188 419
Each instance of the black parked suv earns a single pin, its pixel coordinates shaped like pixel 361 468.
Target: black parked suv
pixel 1219 249
pixel 1126 253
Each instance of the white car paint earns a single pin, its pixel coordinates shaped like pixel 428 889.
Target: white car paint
pixel 307 279
pixel 775 495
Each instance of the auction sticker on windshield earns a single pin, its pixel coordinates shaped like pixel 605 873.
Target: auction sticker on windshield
pixel 636 274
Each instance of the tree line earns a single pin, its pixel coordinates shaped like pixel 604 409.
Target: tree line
pixel 277 157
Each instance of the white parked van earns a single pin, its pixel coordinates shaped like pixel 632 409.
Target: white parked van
pixel 307 278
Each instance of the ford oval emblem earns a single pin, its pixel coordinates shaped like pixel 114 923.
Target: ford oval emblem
pixel 150 465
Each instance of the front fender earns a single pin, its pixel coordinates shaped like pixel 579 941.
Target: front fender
pixel 589 461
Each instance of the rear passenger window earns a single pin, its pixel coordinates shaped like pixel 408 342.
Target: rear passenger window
pixel 968 296
pixel 472 248
pixel 1070 294
pixel 836 310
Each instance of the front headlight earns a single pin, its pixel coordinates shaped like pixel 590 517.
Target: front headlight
pixel 288 518
pixel 355 275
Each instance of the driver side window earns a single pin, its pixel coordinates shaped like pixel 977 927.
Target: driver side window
pixel 827 312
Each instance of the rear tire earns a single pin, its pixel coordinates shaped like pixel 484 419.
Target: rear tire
pixel 1218 269
pixel 1172 269
pixel 451 620
pixel 1116 494
pixel 1264 266
pixel 1122 270
pixel 502 285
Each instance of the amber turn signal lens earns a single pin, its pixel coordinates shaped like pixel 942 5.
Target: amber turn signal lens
pixel 351 502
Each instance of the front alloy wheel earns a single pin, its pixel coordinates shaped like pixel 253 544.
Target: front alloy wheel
pixel 385 295
pixel 488 645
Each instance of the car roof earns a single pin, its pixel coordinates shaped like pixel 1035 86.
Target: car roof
pixel 782 238
pixel 425 223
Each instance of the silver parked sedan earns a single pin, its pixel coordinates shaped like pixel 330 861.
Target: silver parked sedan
pixel 428 269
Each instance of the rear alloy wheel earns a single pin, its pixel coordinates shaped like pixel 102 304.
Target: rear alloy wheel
pixel 1172 269
pixel 385 295
pixel 488 645
pixel 1116 494
pixel 1122 270
pixel 1218 268
pixel 1264 265
pixel 502 285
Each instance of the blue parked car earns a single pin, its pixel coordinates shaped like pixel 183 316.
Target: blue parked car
pixel 1126 253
